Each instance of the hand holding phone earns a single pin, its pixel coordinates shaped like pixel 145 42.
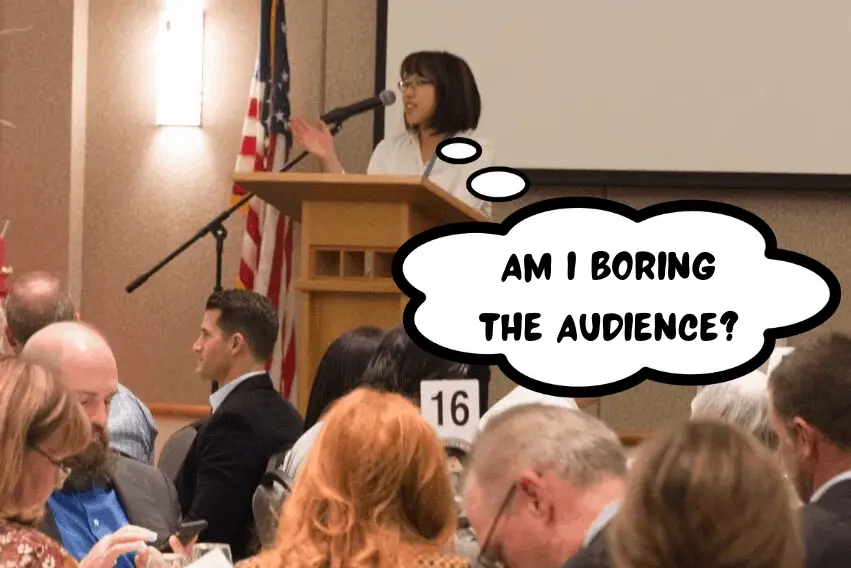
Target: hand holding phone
pixel 186 533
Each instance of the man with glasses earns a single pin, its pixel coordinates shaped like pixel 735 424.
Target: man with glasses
pixel 542 482
pixel 106 497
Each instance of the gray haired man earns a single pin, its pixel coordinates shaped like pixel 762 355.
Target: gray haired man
pixel 542 483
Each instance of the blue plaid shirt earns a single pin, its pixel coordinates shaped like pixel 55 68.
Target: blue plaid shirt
pixel 132 431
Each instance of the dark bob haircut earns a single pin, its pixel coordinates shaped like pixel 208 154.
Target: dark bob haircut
pixel 340 369
pixel 400 365
pixel 458 105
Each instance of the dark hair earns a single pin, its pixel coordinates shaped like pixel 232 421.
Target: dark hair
pixel 36 300
pixel 458 105
pixel 251 315
pixel 400 365
pixel 340 369
pixel 813 382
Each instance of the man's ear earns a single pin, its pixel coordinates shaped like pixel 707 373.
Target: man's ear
pixel 236 342
pixel 533 494
pixel 806 437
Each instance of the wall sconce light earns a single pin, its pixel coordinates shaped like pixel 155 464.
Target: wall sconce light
pixel 180 63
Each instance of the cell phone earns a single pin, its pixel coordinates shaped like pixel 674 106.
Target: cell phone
pixel 185 533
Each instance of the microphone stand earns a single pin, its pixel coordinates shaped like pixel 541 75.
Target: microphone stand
pixel 217 229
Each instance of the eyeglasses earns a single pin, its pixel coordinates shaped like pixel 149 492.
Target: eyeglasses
pixel 64 470
pixel 412 83
pixel 483 558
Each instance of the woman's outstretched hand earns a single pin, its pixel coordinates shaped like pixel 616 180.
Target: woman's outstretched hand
pixel 318 141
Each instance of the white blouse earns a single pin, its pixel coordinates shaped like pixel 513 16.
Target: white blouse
pixel 400 155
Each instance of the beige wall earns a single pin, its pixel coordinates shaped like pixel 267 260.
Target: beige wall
pixel 147 189
pixel 36 156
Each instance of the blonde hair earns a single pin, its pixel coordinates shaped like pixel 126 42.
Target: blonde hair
pixel 34 406
pixel 703 495
pixel 374 490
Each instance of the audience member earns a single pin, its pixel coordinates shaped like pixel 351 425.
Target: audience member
pixel 705 495
pixel 542 482
pixel 810 393
pixel 374 491
pixel 41 425
pixel 36 300
pixel 400 365
pixel 339 371
pixel 743 402
pixel 106 496
pixel 250 422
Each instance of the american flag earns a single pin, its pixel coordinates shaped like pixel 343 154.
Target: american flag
pixel 266 265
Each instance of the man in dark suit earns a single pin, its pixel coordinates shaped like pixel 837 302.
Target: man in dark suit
pixel 105 495
pixel 250 422
pixel 810 393
pixel 542 483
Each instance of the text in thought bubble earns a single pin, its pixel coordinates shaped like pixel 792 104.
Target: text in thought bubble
pixel 587 297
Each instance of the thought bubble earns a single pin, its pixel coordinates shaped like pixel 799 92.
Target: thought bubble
pixel 459 150
pixel 498 184
pixel 586 297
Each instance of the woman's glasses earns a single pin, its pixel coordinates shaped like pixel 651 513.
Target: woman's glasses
pixel 412 83
pixel 64 470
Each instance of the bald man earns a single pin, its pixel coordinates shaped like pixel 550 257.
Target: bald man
pixel 105 491
pixel 36 300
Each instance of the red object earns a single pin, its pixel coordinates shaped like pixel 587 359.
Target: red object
pixel 266 265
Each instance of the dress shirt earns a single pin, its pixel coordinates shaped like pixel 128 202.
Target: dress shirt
pixel 400 155
pixel 844 476
pixel 218 397
pixel 131 427
pixel 85 517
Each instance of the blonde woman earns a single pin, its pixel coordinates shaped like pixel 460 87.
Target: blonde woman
pixel 703 495
pixel 373 492
pixel 41 424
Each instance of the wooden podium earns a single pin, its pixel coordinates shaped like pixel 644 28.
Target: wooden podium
pixel 351 226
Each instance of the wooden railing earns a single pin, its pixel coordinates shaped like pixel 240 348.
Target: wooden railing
pixel 189 411
pixel 628 438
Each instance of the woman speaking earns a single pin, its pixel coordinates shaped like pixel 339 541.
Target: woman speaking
pixel 441 100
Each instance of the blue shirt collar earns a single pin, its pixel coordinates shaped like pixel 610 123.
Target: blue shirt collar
pixel 601 521
pixel 218 397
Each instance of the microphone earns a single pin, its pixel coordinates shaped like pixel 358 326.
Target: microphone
pixel 384 98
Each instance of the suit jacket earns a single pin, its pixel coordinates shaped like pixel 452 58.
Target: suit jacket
pixel 228 457
pixel 827 528
pixel 148 497
pixel 595 555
